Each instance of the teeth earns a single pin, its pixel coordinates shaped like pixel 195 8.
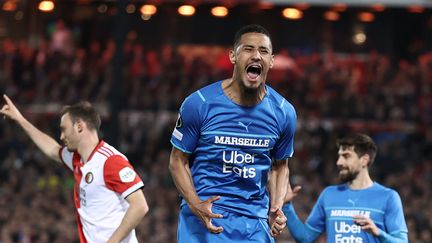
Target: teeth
pixel 255 66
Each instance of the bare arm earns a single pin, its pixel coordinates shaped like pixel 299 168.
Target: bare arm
pixel 138 208
pixel 181 174
pixel 45 143
pixel 278 183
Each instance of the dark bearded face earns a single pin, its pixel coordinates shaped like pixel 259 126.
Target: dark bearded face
pixel 349 164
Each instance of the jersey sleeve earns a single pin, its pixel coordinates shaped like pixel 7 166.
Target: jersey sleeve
pixel 317 217
pixel 120 176
pixel 285 146
pixel 66 157
pixel 299 231
pixel 394 218
pixel 187 130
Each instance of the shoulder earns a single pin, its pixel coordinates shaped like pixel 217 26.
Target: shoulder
pixel 280 104
pixel 334 189
pixel 111 153
pixel 385 191
pixel 203 95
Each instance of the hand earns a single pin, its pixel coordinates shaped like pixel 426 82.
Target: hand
pixel 277 221
pixel 203 211
pixel 291 193
pixel 366 224
pixel 9 110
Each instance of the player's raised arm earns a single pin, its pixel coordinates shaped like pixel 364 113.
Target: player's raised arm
pixel 45 143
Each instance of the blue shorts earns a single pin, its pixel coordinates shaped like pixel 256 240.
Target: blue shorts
pixel 237 228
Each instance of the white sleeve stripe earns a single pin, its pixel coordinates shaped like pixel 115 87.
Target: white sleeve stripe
pixel 103 153
pixel 107 150
pixel 282 103
pixel 132 189
pixel 201 96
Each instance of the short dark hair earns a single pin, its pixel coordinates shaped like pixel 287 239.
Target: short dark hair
pixel 361 143
pixel 251 28
pixel 85 111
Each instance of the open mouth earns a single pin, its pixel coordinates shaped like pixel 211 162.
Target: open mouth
pixel 253 71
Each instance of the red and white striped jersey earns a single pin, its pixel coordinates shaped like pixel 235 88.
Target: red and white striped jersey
pixel 101 186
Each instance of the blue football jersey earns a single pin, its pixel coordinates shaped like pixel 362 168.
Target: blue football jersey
pixel 337 204
pixel 232 146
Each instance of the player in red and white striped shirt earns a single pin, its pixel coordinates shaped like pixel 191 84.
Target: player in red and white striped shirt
pixel 108 195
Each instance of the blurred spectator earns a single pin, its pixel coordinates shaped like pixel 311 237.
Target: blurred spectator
pixel 62 39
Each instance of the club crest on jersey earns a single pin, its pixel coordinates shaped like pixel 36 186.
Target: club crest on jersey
pixel 127 175
pixel 88 177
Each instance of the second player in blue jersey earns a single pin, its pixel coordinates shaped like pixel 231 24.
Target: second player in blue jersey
pixel 359 210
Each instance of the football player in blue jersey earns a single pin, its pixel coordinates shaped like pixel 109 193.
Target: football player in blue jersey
pixel 230 152
pixel 360 210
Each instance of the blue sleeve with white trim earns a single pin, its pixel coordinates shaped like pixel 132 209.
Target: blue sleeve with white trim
pixel 187 130
pixel 285 146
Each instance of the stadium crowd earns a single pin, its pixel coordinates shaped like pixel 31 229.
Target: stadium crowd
pixel 333 93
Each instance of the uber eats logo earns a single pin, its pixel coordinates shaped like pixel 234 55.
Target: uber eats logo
pixel 346 233
pixel 238 162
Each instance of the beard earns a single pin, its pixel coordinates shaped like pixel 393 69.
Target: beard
pixel 250 90
pixel 348 176
pixel 251 93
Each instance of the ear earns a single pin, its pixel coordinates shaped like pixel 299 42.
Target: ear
pixel 365 160
pixel 79 125
pixel 271 61
pixel 232 56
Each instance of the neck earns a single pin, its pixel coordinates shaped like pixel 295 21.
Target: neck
pixel 242 95
pixel 87 146
pixel 362 181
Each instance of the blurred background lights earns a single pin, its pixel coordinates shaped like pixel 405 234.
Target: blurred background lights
pixel 331 15
pixel 359 38
pixel 292 13
pixel 378 7
pixel 340 7
pixel 416 9
pixel 9 5
pixel 186 10
pixel 103 8
pixel 46 6
pixel 219 11
pixel 145 17
pixel 130 9
pixel 366 17
pixel 148 9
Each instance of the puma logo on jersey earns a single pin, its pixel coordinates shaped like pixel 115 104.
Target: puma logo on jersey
pixel 245 126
